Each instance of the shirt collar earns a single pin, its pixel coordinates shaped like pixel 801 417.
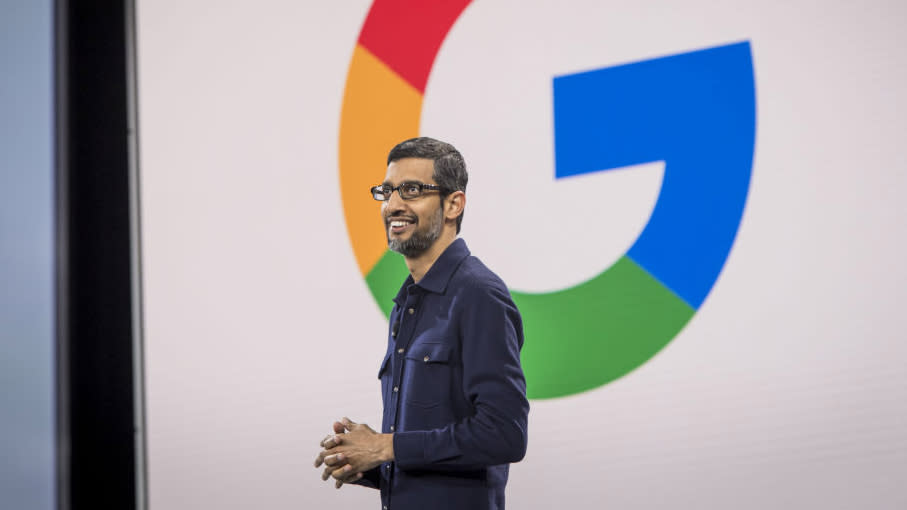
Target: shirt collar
pixel 439 274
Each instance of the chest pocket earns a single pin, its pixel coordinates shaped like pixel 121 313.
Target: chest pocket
pixel 385 376
pixel 384 364
pixel 428 376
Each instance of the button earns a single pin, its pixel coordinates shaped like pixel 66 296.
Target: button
pixel 392 428
pixel 388 467
pixel 385 507
pixel 400 350
pixel 396 389
pixel 425 359
pixel 412 311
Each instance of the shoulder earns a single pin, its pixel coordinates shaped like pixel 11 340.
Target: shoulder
pixel 479 283
pixel 483 302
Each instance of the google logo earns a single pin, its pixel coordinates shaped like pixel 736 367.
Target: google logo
pixel 695 111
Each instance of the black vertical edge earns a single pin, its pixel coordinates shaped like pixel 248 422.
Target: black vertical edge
pixel 61 249
pixel 100 408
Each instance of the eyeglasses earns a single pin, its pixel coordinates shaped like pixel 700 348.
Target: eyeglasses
pixel 407 190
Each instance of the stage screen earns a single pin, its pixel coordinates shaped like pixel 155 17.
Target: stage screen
pixel 27 312
pixel 697 206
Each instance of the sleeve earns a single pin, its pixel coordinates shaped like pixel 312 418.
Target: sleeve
pixel 493 382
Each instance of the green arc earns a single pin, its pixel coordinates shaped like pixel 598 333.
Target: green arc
pixel 611 324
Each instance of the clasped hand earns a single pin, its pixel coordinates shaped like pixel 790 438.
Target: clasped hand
pixel 352 449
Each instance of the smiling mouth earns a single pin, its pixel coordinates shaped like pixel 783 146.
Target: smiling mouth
pixel 399 226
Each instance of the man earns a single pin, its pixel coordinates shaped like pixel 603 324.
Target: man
pixel 455 408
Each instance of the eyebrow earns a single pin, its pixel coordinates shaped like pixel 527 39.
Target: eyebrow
pixel 410 181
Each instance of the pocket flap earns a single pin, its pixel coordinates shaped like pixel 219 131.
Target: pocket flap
pixel 384 364
pixel 429 353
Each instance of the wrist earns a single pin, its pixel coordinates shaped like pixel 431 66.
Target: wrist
pixel 387 450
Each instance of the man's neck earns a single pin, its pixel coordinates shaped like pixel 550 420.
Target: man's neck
pixel 419 265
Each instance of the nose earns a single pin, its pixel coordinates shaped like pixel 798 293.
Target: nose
pixel 394 203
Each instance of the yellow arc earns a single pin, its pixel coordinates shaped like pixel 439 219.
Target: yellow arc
pixel 380 109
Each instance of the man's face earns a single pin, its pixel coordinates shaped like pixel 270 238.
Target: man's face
pixel 412 226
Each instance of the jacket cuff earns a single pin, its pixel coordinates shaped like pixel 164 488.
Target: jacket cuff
pixel 409 449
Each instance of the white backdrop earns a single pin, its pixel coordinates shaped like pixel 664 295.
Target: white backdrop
pixel 787 388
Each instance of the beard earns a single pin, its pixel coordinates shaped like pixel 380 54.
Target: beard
pixel 420 240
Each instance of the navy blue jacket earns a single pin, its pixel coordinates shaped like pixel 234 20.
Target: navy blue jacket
pixel 453 389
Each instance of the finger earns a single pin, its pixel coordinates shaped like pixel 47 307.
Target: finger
pixel 348 423
pixel 338 473
pixel 350 479
pixel 343 473
pixel 331 441
pixel 321 458
pixel 338 428
pixel 335 460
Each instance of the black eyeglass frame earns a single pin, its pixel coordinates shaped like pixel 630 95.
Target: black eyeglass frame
pixel 387 191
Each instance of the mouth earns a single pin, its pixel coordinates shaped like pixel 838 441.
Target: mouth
pixel 398 225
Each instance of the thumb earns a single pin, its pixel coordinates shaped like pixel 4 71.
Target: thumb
pixel 339 428
pixel 348 423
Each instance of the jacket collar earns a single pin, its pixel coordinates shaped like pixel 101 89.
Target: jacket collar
pixel 440 273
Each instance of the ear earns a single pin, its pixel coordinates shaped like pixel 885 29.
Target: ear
pixel 454 205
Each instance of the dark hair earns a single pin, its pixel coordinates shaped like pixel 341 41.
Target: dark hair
pixel 449 166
